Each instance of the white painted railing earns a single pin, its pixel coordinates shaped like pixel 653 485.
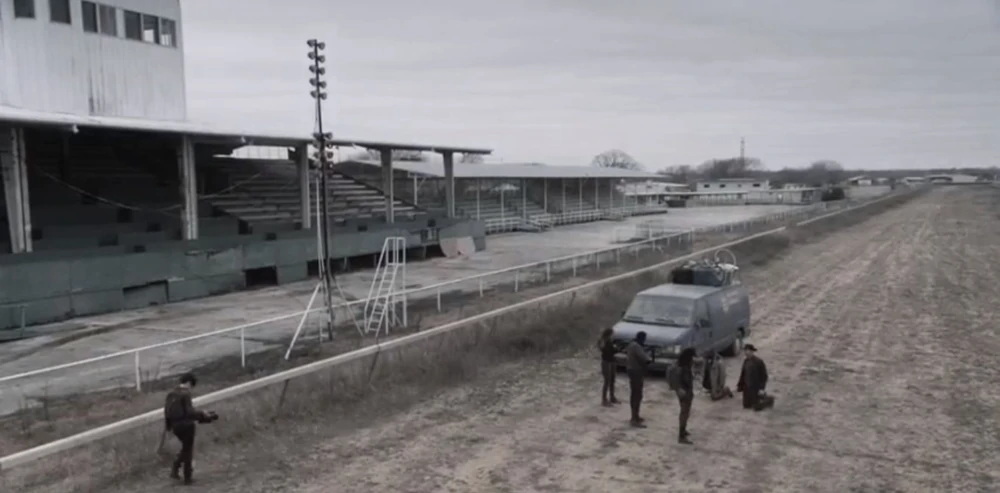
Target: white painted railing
pixel 480 284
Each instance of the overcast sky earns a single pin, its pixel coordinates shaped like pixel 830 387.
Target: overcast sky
pixel 870 83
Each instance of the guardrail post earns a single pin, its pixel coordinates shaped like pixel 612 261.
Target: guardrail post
pixel 243 347
pixel 574 266
pixel 517 279
pixel 138 374
pixel 618 255
pixel 548 271
pixel 439 299
pixel 597 260
pixel 480 289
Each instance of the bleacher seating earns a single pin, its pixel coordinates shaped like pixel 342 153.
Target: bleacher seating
pixel 265 194
pixel 489 208
pixel 96 199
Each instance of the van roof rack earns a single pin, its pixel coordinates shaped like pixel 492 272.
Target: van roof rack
pixel 714 271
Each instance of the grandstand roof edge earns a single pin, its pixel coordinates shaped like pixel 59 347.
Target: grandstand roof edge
pixel 500 170
pixel 400 146
pixel 23 116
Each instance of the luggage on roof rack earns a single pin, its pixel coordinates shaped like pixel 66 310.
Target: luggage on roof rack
pixel 706 272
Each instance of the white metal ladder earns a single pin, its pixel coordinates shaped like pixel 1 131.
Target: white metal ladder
pixel 384 294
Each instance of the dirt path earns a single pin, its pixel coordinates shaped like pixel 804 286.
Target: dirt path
pixel 880 340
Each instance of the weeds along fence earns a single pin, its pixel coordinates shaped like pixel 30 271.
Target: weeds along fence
pixel 242 344
pixel 407 366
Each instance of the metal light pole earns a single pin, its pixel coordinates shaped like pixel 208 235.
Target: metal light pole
pixel 323 159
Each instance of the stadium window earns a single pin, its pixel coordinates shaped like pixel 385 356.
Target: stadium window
pixel 722 185
pixel 756 185
pixel 108 20
pixel 168 32
pixel 89 16
pixel 59 11
pixel 150 29
pixel 133 25
pixel 24 9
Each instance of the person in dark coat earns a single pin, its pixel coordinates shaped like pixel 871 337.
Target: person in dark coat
pixel 180 418
pixel 753 380
pixel 681 380
pixel 636 363
pixel 608 367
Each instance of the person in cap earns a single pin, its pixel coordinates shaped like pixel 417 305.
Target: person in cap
pixel 753 380
pixel 636 363
pixel 180 417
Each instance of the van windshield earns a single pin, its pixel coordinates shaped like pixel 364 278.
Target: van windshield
pixel 660 310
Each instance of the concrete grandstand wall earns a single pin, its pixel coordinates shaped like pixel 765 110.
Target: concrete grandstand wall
pixel 51 286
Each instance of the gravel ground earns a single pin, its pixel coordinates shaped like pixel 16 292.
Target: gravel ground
pixel 880 341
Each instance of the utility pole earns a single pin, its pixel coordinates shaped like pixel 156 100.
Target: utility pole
pixel 324 155
pixel 743 148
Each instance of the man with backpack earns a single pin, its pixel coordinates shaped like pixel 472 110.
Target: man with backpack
pixel 680 377
pixel 180 418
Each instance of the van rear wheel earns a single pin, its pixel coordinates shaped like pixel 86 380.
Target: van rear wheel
pixel 734 347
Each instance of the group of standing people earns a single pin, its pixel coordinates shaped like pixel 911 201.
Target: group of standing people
pixel 680 377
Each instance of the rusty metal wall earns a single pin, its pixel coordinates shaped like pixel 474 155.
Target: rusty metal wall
pixel 52 67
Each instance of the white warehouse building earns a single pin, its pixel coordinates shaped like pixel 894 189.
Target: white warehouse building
pixel 114 58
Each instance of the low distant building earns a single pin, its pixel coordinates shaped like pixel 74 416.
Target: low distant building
pixel 732 185
pixel 860 181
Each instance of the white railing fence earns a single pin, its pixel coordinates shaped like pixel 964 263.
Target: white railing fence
pixel 135 367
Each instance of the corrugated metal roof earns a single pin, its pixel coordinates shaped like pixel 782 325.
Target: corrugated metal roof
pixel 521 170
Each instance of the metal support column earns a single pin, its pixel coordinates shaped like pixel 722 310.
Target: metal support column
pixel 449 182
pixel 13 165
pixel 305 203
pixel 597 193
pixel 524 198
pixel 545 194
pixel 387 185
pixel 189 188
pixel 479 187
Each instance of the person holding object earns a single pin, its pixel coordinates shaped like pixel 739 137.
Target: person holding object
pixel 714 380
pixel 753 381
pixel 608 367
pixel 636 363
pixel 680 377
pixel 180 418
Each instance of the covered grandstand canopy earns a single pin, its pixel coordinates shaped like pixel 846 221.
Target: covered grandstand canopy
pixel 519 170
pixel 31 117
pixel 398 146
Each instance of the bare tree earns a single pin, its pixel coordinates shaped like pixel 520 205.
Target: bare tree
pixel 730 168
pixel 680 174
pixel 615 158
pixel 471 159
pixel 825 172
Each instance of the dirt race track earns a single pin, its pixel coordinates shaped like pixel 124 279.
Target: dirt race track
pixel 881 341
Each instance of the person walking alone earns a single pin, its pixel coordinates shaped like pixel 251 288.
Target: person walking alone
pixel 636 363
pixel 608 367
pixel 180 416
pixel 681 380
